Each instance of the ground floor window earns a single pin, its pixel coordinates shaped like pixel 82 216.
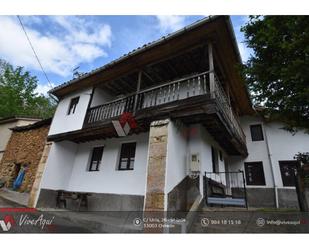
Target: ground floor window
pixel 254 173
pixel 96 158
pixel 127 156
pixel 288 171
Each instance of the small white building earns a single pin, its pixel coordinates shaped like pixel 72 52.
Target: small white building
pixel 195 129
pixel 270 161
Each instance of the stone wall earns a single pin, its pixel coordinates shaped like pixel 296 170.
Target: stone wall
pixel 24 147
pixel 154 200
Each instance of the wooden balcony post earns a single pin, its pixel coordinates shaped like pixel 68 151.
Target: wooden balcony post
pixel 137 90
pixel 227 90
pixel 211 70
pixel 229 99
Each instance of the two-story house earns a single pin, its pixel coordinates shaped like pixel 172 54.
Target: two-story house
pixel 191 114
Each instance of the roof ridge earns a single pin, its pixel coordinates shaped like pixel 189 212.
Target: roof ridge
pixel 134 51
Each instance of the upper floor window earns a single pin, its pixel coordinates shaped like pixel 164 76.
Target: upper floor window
pixel 96 158
pixel 288 171
pixel 215 161
pixel 256 132
pixel 254 173
pixel 127 156
pixel 73 104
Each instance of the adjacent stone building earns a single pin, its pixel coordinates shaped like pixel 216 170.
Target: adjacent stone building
pixel 10 122
pixel 25 147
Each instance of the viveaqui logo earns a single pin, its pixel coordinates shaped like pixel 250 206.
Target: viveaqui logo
pixel 260 222
pixel 125 123
pixel 7 223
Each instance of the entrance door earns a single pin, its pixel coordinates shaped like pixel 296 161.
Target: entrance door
pixel 288 170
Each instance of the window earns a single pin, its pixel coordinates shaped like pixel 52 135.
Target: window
pixel 254 173
pixel 288 170
pixel 73 105
pixel 127 156
pixel 96 158
pixel 215 161
pixel 256 132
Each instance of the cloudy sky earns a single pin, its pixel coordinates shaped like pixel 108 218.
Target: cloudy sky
pixel 64 42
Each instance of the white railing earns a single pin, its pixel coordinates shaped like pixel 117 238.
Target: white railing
pixel 171 91
pixel 180 89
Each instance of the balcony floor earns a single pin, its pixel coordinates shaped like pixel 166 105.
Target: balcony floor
pixel 198 109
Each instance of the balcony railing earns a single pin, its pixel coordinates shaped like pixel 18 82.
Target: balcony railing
pixel 184 88
pixel 172 91
pixel 226 108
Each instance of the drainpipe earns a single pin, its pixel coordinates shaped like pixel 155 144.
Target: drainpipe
pixel 271 166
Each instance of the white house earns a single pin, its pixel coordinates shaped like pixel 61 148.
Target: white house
pixel 195 129
pixel 272 155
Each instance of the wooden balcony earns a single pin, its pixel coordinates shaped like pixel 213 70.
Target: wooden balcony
pixel 191 99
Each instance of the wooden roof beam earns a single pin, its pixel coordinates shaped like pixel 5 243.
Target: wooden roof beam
pixel 172 68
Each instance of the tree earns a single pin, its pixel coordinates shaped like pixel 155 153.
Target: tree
pixel 18 96
pixel 277 73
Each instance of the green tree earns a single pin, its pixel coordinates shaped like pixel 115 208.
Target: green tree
pixel 18 96
pixel 277 73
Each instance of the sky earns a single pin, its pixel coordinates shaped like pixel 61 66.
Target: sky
pixel 63 43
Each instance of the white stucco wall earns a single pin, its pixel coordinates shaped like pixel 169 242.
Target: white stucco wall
pixel 282 146
pixel 64 123
pixel 184 141
pixel 68 162
pixel 257 152
pixel 59 165
pixel 100 97
pixel 109 179
pixel 207 143
pixel 201 142
pixel 177 156
pixel 67 167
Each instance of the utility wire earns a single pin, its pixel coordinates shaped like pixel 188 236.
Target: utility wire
pixel 36 56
